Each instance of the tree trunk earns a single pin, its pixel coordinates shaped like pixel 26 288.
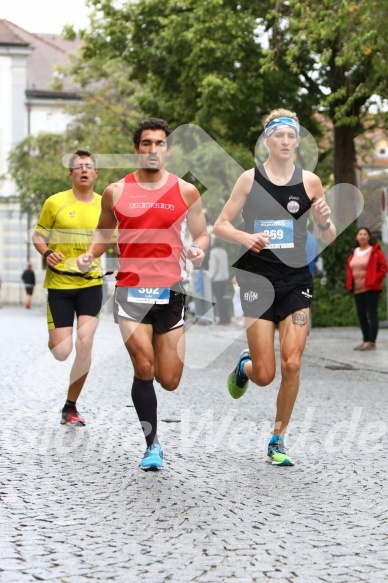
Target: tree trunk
pixel 344 172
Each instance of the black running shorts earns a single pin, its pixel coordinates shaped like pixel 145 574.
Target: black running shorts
pixel 287 295
pixel 162 317
pixel 62 304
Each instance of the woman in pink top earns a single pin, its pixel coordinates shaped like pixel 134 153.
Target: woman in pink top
pixel 365 273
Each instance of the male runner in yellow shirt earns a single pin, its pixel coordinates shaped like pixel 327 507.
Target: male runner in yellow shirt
pixel 62 233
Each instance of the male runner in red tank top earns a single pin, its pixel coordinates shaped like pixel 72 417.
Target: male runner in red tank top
pixel 151 208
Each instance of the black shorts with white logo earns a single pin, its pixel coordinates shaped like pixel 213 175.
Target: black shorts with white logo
pixel 276 298
pixel 162 317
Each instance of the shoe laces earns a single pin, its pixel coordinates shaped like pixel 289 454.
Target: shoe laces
pixel 278 446
pixel 73 411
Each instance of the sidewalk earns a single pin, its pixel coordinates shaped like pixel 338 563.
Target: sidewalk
pixel 331 346
pixel 335 346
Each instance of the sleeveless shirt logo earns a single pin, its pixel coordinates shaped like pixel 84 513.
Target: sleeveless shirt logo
pixel 293 206
pixel 251 296
pixel 151 205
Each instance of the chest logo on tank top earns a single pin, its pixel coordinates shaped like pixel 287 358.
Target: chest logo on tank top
pixel 293 206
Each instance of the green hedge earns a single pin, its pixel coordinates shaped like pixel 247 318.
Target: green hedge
pixel 332 304
pixel 335 306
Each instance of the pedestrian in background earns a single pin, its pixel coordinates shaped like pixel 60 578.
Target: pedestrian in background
pixel 28 277
pixel 219 276
pixel 312 249
pixel 237 307
pixel 365 271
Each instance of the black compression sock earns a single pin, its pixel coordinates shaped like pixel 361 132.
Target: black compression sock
pixel 145 402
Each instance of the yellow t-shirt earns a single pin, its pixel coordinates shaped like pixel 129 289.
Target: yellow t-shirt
pixel 67 224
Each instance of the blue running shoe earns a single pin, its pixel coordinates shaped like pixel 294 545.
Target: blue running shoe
pixel 153 458
pixel 237 380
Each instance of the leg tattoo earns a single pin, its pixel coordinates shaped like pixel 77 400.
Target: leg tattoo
pixel 299 319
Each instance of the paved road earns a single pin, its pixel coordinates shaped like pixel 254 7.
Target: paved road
pixel 75 507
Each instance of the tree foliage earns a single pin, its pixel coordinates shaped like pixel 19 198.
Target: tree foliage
pixel 188 63
pixel 35 165
pixel 105 119
pixel 198 62
pixel 205 63
pixel 348 63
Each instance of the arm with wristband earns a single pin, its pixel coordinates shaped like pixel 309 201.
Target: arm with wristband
pixel 51 257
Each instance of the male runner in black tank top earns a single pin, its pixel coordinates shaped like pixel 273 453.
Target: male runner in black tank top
pixel 275 283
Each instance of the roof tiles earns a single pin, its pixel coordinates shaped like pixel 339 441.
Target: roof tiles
pixel 48 50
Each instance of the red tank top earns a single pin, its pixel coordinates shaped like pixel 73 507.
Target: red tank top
pixel 151 231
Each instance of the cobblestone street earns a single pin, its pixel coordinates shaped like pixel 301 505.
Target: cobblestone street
pixel 76 507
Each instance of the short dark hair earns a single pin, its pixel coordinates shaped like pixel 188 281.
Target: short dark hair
pixel 153 123
pixel 81 154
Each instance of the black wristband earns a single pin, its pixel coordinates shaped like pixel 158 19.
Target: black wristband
pixel 325 227
pixel 48 252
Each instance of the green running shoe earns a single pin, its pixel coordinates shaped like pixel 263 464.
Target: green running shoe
pixel 277 455
pixel 237 382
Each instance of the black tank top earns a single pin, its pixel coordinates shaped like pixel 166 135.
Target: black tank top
pixel 283 212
